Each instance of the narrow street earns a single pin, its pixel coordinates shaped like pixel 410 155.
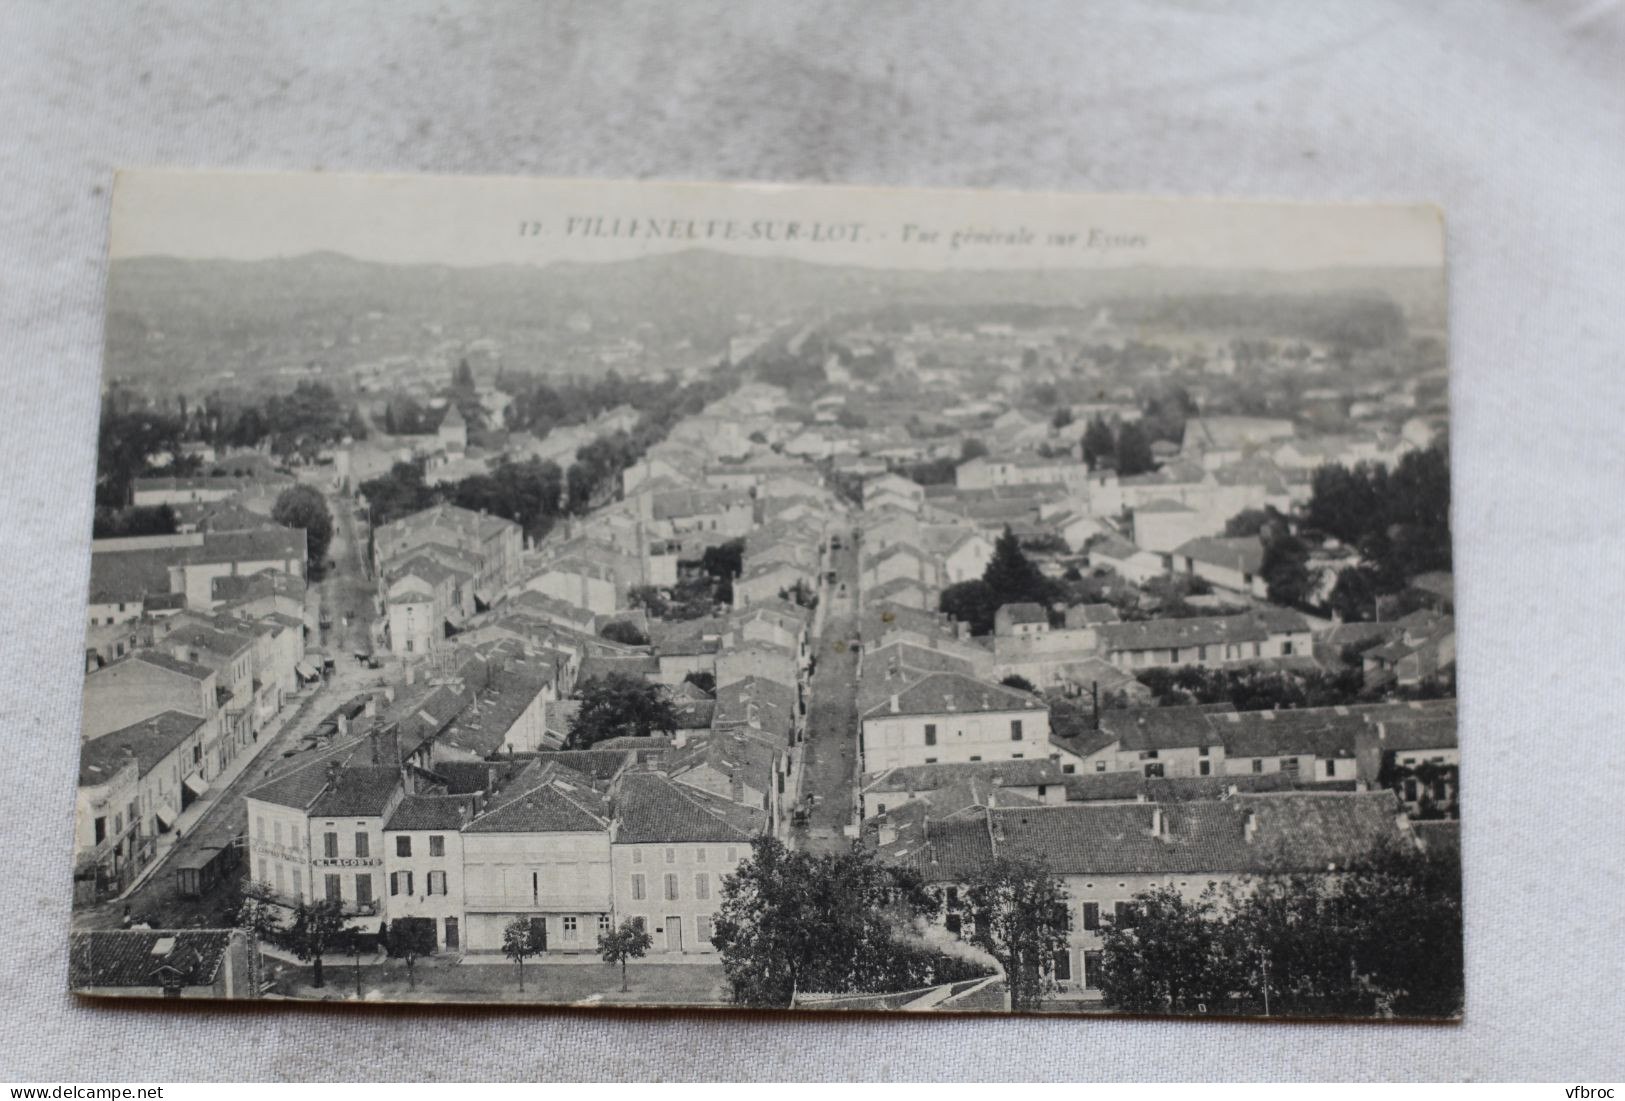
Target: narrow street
pixel 830 754
pixel 344 597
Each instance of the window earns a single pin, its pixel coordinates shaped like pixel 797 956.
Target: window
pixel 403 845
pixel 974 758
pixel 880 808
pixel 930 760
pixel 1042 788
pixel 1091 915
pixel 702 886
pixel 1331 768
pixel 1203 752
pixel 1258 764
pixel 101 830
pixel 1289 764
pixel 330 845
pixel 733 855
pixel 335 889
pixel 1126 914
pixel 363 889
pixel 1069 770
pixel 637 856
pixel 570 927
pixel 1204 768
pixel 702 930
pixel 1173 656
pixel 1201 653
pixel 1286 649
pixel 1015 730
pixel 298 884
pixel 639 924
pixel 671 856
pixel 1063 966
pixel 276 830
pixel 930 733
pixel 362 849
pixel 1153 770
pixel 437 883
pixel 1091 970
pixel 671 886
pixel 699 856
pixel 637 887
pixel 279 878
pixel 259 827
pixel 1100 766
pixel 603 925
pixel 437 845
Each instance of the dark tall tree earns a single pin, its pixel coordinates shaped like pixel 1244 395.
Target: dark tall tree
pixel 303 506
pixel 619 706
pixel 1099 444
pixel 1169 954
pixel 1133 450
pixel 408 938
pixel 522 938
pixel 1012 576
pixel 972 449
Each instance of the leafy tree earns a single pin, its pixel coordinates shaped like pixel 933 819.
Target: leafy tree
pixel 1169 954
pixel 624 631
pixel 399 493
pixel 462 378
pixel 317 927
pixel 628 941
pixel 522 938
pixel 972 449
pixel 797 921
pixel 1354 596
pixel 1249 521
pixel 1099 443
pixel 112 523
pixel 1022 918
pixel 408 938
pixel 724 560
pixel 973 602
pixel 649 599
pixel 258 916
pixel 620 706
pixel 125 443
pixel 705 682
pixel 1285 568
pixel 1062 418
pixel 303 506
pixel 1012 576
pixel 1133 451
pixel 1016 680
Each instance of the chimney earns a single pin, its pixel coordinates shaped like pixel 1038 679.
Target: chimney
pixel 1249 826
pixel 1159 823
pixel 894 703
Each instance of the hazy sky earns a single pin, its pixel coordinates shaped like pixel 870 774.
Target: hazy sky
pixel 491 220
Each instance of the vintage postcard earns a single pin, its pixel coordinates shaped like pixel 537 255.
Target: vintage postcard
pixel 596 593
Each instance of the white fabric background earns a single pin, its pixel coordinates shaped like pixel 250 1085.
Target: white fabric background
pixel 1511 116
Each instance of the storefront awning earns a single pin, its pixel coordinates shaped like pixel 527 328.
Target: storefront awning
pixel 166 816
pixel 195 784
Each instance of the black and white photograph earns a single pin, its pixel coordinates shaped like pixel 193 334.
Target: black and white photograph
pixel 774 597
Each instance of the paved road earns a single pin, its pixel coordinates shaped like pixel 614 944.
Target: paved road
pixel 346 595
pixel 830 753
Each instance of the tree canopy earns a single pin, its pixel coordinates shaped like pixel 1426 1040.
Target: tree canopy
pixel 794 922
pixel 617 706
pixel 303 506
pixel 1023 920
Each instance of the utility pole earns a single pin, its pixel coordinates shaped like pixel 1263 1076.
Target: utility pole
pixel 1264 962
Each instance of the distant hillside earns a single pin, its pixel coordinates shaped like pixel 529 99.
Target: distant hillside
pixel 173 317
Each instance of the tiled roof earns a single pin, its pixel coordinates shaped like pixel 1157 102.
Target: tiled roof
pixel 1289 832
pixel 128 576
pixel 300 788
pixel 146 957
pixel 431 812
pixel 652 808
pixel 942 693
pixel 1317 731
pixel 357 790
pixel 168 662
pixel 549 799
pixel 1161 634
pixel 148 741
pixel 1244 554
pixel 597 764
pixel 1156 728
pixel 260 544
pixel 1030 772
